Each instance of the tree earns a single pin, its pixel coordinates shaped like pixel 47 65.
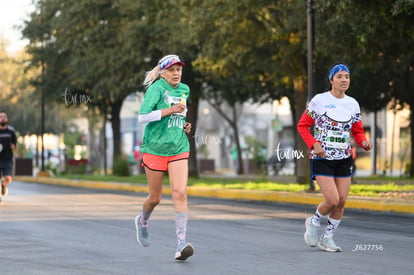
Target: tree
pixel 376 40
pixel 253 50
pixel 242 50
pixel 158 28
pixel 90 33
pixel 87 40
pixel 20 100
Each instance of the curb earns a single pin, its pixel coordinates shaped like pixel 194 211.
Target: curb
pixel 366 203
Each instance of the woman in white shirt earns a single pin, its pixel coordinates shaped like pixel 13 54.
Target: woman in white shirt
pixel 336 117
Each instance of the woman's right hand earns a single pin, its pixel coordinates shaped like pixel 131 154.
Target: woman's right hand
pixel 318 150
pixel 177 108
pixel 174 109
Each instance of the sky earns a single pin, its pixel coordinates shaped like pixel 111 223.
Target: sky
pixel 12 14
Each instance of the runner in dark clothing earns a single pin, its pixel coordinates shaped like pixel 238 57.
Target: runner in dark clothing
pixel 7 144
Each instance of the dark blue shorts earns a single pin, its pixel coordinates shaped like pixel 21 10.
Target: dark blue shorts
pixel 341 168
pixel 6 168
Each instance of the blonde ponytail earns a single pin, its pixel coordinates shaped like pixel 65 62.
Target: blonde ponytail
pixel 151 76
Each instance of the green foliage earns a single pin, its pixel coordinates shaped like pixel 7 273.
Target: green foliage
pixel 72 138
pixel 22 101
pixel 371 190
pixel 239 50
pixel 269 186
pixel 79 169
pixel 51 168
pixel 382 184
pixel 121 167
pixel 375 190
pixel 374 40
pixel 203 150
pixel 256 148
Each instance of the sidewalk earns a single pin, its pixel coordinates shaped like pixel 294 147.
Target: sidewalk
pixel 366 203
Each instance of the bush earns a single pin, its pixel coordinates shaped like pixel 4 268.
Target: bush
pixel 74 166
pixel 121 167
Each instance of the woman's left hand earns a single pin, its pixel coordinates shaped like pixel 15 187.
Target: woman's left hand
pixel 367 145
pixel 187 127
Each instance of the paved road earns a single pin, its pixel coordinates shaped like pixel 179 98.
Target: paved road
pixel 48 229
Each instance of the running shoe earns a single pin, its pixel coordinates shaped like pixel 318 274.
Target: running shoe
pixel 4 190
pixel 311 234
pixel 328 244
pixel 184 251
pixel 142 232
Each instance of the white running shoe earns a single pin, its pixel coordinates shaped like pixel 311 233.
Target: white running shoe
pixel 328 244
pixel 184 251
pixel 311 236
pixel 142 232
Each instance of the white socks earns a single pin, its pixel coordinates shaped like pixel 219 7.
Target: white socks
pixel 181 226
pixel 145 217
pixel 316 218
pixel 331 227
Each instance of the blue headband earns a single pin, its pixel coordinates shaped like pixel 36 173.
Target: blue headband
pixel 337 68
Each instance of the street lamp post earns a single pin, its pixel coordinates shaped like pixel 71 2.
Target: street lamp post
pixel 42 96
pixel 42 121
pixel 310 37
pixel 310 34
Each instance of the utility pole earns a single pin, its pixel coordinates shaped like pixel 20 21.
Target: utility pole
pixel 42 119
pixel 42 99
pixel 310 36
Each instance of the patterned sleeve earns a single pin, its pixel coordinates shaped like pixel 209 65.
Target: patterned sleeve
pixel 312 108
pixel 357 112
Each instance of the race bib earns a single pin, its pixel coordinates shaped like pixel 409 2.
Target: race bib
pixel 175 100
pixel 337 139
